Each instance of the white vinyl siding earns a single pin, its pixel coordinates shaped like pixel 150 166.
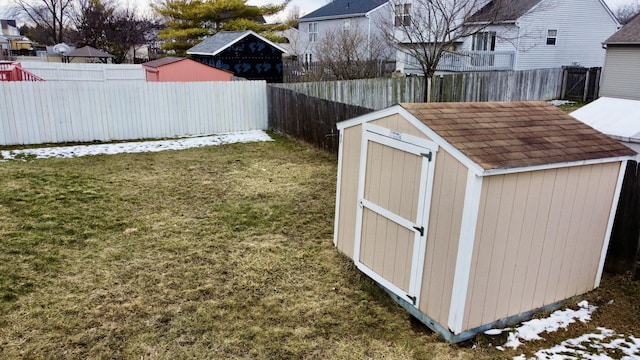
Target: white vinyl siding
pixel 581 27
pixel 618 78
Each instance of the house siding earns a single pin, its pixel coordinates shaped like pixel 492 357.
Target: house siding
pixel 521 265
pixel 620 78
pixel 369 25
pixel 583 25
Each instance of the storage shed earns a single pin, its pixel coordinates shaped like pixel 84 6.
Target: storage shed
pixel 474 215
pixel 179 69
pixel 245 53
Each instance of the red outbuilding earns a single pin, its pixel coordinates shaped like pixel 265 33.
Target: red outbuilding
pixel 177 69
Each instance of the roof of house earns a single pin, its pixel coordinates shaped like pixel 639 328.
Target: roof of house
pixel 88 51
pixel 163 61
pixel 615 117
pixel 629 34
pixel 502 135
pixel 223 39
pixel 510 11
pixel 343 8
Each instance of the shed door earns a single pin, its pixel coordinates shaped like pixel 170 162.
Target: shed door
pixel 393 196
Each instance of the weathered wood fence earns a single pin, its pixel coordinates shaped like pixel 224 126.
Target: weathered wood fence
pixel 369 93
pixel 307 118
pixel 624 246
pixel 580 83
pixel 56 112
pixel 521 85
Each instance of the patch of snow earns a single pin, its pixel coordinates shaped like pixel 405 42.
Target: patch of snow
pixel 560 319
pixel 561 102
pixel 493 332
pixel 591 347
pixel 136 147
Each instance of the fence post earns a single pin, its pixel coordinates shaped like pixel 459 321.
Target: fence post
pixel 586 86
pixel 563 92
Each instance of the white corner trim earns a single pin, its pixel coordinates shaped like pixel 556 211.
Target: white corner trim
pixel 339 181
pixel 472 197
pixel 612 216
pixel 555 165
pixel 368 117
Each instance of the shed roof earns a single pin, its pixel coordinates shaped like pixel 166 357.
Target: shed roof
pixel 342 8
pixel 615 117
pixel 88 51
pixel 223 39
pixel 510 11
pixel 163 61
pixel 498 135
pixel 629 34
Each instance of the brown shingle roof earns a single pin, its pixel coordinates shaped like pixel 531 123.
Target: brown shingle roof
pixel 629 34
pixel 162 61
pixel 497 11
pixel 88 51
pixel 500 135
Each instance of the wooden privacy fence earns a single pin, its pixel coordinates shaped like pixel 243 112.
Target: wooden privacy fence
pixel 307 118
pixel 520 85
pixel 369 93
pixel 55 112
pixel 624 246
pixel 580 83
pixel 86 72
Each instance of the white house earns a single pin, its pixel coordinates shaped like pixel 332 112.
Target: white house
pixel 531 34
pixel 345 15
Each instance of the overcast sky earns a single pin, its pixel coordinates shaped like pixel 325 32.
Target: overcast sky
pixel 306 6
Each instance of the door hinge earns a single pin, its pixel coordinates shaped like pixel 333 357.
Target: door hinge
pixel 427 155
pixel 413 299
pixel 420 229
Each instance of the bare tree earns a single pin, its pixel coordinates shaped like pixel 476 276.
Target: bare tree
pixel 425 30
pixel 628 11
pixel 52 16
pixel 351 53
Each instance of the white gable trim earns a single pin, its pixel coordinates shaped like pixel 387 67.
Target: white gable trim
pixel 244 35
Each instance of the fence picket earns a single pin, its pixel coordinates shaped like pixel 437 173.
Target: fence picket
pixel 56 112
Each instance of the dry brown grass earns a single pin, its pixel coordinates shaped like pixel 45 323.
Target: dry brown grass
pixel 218 252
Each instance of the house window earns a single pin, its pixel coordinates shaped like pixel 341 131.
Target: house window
pixel 403 15
pixel 552 35
pixel 313 32
pixel 484 41
pixel 308 58
pixel 346 25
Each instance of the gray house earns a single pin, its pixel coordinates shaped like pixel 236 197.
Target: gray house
pixel 366 16
pixel 620 76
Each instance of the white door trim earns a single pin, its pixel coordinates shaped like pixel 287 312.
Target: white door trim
pixel 426 150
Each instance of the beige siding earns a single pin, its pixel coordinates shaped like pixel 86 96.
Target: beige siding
pixel 538 239
pixel 392 182
pixel 352 138
pixel 620 77
pixel 443 234
pixel 399 124
pixel 349 177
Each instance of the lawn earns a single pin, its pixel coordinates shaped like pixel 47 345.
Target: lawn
pixel 215 252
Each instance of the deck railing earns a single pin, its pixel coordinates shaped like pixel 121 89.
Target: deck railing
pixel 12 71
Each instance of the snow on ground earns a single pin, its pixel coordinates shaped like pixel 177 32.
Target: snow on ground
pixel 135 147
pixel 587 346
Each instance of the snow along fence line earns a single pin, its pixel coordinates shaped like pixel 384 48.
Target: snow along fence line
pixel 57 112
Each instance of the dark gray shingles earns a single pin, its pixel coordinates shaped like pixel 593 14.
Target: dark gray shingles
pixel 344 7
pixel 219 41
pixel 507 10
